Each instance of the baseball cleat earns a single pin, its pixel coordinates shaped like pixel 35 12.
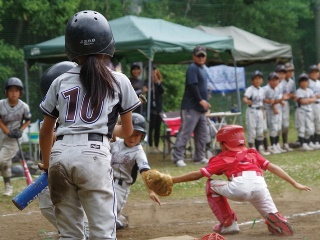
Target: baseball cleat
pixel 232 229
pixel 9 191
pixel 278 225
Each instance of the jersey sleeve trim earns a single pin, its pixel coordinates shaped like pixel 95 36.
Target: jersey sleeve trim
pixel 131 108
pixel 205 172
pixel 51 114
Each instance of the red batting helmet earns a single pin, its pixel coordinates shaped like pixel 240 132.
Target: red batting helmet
pixel 232 136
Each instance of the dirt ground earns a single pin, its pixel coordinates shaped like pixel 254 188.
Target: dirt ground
pixel 175 218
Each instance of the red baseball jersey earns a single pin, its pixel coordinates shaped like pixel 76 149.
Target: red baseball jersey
pixel 230 163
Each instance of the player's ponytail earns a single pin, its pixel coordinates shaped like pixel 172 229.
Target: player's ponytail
pixel 97 80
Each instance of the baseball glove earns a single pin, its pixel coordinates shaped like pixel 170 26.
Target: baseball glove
pixel 15 133
pixel 158 182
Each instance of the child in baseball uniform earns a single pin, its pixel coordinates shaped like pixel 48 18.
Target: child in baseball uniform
pixel 314 85
pixel 281 70
pixel 273 111
pixel 244 169
pixel 288 87
pixel 14 118
pixel 129 158
pixel 253 97
pixel 304 115
pixel 45 204
pixel 86 102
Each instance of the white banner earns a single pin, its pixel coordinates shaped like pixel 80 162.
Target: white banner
pixel 222 78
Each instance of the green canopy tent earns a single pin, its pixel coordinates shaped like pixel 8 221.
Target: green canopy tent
pixel 250 48
pixel 142 39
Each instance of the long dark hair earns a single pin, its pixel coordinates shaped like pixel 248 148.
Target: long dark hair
pixel 97 80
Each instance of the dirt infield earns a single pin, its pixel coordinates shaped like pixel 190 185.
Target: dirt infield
pixel 174 218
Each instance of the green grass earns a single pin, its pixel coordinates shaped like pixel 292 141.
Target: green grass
pixel 302 166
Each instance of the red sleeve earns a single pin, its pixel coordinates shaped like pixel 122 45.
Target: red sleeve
pixel 216 166
pixel 261 161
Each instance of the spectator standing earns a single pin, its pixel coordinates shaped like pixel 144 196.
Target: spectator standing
pixel 314 85
pixel 137 84
pixel 156 93
pixel 193 110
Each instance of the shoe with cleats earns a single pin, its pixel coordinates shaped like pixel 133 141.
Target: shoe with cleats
pixel 8 191
pixel 278 225
pixel 231 229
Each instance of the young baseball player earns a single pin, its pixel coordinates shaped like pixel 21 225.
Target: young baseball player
pixel 45 204
pixel 86 101
pixel 253 97
pixel 281 70
pixel 273 111
pixel 304 115
pixel 14 118
pixel 314 85
pixel 288 87
pixel 128 157
pixel 244 169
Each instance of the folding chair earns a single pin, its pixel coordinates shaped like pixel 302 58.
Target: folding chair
pixel 172 121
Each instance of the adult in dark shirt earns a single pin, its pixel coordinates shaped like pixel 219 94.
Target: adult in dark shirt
pixel 193 111
pixel 157 91
pixel 137 84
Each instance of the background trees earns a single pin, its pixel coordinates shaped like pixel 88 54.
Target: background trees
pixel 24 22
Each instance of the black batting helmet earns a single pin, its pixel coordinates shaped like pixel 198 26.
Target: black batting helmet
pixel 88 32
pixel 139 123
pixel 52 73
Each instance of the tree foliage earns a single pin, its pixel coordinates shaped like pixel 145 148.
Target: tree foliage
pixel 24 22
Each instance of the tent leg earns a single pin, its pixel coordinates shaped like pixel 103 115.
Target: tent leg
pixel 238 92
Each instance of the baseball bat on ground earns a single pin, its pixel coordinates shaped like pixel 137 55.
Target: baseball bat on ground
pixel 25 166
pixel 31 192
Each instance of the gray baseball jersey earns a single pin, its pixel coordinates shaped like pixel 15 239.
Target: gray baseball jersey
pixel 273 120
pixel 303 115
pixel 286 86
pixel 13 117
pixel 126 162
pixel 67 101
pixel 315 87
pixel 254 114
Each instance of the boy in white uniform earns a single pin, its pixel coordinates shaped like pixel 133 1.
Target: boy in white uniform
pixel 14 118
pixel 303 115
pixel 128 157
pixel 253 97
pixel 314 85
pixel 272 103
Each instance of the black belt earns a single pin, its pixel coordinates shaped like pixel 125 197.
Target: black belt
pixel 91 137
pixel 257 108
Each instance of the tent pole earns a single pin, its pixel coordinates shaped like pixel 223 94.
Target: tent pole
pixel 149 102
pixel 238 91
pixel 26 83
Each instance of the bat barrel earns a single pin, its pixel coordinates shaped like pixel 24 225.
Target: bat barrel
pixel 31 192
